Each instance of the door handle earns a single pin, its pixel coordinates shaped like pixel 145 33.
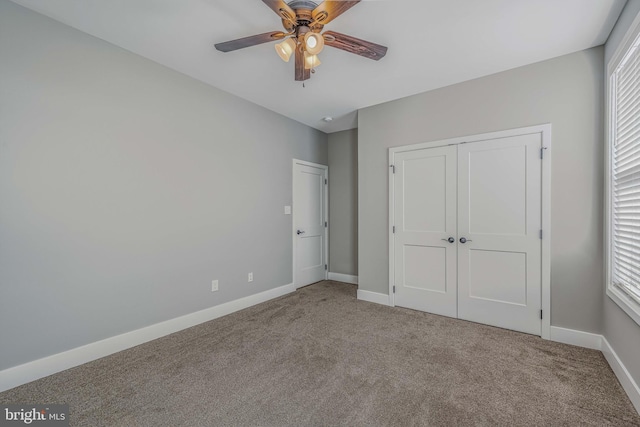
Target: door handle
pixel 450 240
pixel 299 232
pixel 465 240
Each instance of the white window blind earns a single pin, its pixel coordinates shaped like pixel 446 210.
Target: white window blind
pixel 625 174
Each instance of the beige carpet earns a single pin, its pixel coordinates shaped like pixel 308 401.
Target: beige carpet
pixel 320 357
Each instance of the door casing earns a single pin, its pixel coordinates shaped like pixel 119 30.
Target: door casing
pixel 545 132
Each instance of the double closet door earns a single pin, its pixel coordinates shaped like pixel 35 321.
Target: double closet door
pixel 467 234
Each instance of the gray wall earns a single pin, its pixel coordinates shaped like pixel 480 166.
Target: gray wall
pixel 565 91
pixel 125 188
pixel 619 329
pixel 343 202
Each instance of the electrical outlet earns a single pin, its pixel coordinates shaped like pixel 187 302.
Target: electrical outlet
pixel 214 285
pixel 250 277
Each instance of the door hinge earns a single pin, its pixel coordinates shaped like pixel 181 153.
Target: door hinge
pixel 540 234
pixel 394 229
pixel 542 152
pixel 540 314
pixel 394 289
pixel 393 169
pixel 326 181
pixel 325 224
pixel 325 266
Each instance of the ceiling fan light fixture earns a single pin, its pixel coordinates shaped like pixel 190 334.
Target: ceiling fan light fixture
pixel 313 42
pixel 286 49
pixel 311 61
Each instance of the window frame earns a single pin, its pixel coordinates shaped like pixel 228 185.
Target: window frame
pixel 621 297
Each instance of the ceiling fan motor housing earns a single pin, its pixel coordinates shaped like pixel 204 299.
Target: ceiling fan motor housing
pixel 304 16
pixel 302 4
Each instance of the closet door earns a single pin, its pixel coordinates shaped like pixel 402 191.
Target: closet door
pixel 425 220
pixel 499 221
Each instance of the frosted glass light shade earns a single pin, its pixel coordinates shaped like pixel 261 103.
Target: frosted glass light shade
pixel 311 61
pixel 314 43
pixel 286 49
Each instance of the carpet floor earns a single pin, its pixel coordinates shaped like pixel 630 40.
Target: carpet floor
pixel 320 357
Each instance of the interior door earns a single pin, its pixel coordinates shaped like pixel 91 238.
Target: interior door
pixel 499 222
pixel 309 210
pixel 425 230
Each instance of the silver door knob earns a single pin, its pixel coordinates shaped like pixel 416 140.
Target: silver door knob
pixel 299 232
pixel 450 240
pixel 465 240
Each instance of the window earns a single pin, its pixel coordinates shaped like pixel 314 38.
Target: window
pixel 623 172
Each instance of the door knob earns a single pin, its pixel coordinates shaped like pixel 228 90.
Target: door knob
pixel 464 240
pixel 299 232
pixel 450 240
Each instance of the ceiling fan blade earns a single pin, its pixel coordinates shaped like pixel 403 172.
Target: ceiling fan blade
pixel 329 10
pixel 302 74
pixel 354 45
pixel 282 9
pixel 249 41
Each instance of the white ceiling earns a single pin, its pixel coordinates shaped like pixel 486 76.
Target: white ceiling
pixel 432 43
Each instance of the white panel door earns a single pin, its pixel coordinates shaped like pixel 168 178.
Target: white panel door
pixel 499 222
pixel 425 221
pixel 309 223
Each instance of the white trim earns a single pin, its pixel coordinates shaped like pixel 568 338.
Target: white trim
pixel 31 371
pixel 625 378
pixel 473 138
pixel 392 222
pixel 623 301
pixel 599 342
pixel 346 278
pixel 545 131
pixel 293 216
pixel 620 298
pixel 545 297
pixel 625 44
pixel 374 297
pixel 577 338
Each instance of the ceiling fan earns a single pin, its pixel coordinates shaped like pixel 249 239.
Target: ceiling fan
pixel 303 21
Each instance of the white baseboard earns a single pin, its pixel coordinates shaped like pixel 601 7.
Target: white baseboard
pixel 373 297
pixel 31 371
pixel 346 278
pixel 578 338
pixel 599 342
pixel 628 384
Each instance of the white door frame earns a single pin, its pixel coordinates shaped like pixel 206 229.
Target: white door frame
pixel 293 216
pixel 545 131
